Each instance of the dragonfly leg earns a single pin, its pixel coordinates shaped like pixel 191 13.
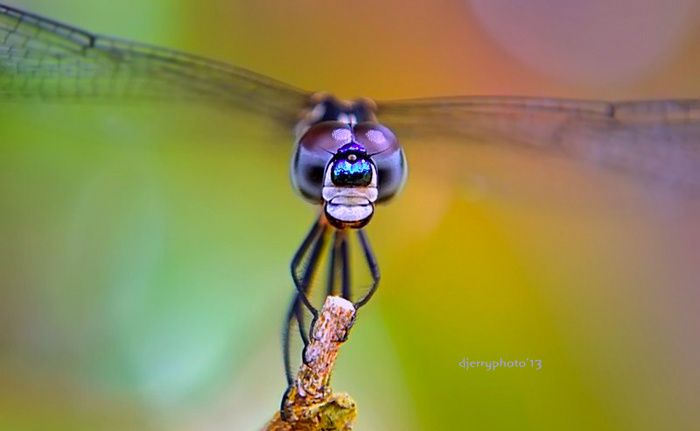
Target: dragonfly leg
pixel 338 261
pixel 345 269
pixel 295 311
pixel 283 404
pixel 316 238
pixel 346 290
pixel 373 268
pixel 315 241
pixel 334 262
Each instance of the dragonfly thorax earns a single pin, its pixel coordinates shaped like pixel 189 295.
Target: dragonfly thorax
pixel 347 163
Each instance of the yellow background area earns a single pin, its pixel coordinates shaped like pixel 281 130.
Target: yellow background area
pixel 144 250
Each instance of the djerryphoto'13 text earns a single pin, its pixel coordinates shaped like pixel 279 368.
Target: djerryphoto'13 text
pixel 492 365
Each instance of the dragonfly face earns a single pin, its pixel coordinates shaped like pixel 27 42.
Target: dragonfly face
pixel 347 161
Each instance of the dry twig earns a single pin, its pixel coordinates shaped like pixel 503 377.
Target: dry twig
pixel 310 404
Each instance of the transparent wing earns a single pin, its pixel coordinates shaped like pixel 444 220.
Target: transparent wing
pixel 655 140
pixel 49 60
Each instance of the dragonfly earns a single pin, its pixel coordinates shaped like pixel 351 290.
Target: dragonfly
pixel 348 158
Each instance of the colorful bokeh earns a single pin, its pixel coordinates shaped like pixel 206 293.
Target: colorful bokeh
pixel 145 249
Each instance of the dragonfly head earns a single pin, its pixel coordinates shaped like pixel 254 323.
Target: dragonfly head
pixel 346 161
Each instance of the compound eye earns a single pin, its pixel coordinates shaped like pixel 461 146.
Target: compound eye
pixel 326 137
pixel 375 138
pixel 314 150
pixel 387 155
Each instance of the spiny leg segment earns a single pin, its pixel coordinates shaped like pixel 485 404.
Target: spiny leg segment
pixel 373 268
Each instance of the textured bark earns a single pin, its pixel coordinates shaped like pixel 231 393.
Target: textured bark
pixel 310 404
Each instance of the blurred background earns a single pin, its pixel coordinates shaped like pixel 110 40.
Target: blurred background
pixel 145 249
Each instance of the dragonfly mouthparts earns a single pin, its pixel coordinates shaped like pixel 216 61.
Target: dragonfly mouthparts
pixel 350 195
pixel 349 206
